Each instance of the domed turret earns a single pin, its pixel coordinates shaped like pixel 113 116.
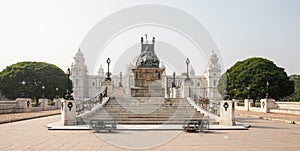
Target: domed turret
pixel 101 71
pixel 79 54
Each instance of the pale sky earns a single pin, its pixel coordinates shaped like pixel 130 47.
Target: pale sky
pixel 53 30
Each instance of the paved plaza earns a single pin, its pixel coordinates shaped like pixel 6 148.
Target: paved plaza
pixel 263 135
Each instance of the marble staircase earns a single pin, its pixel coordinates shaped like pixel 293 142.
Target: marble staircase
pixel 147 110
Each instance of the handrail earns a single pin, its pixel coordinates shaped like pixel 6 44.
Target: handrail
pixel 87 105
pixel 211 106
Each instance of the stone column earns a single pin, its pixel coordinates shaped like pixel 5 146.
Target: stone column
pixel 267 104
pixel 236 102
pixel 227 113
pixel 68 112
pixel 173 93
pixel 24 103
pixel 247 104
pixel 44 104
pixel 57 103
pixel 186 88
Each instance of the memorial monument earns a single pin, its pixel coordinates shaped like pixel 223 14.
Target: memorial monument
pixel 147 74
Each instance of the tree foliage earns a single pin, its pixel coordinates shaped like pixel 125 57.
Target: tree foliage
pixel 35 75
pixel 253 73
pixel 296 95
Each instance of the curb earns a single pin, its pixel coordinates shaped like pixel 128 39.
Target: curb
pixel 27 118
pixel 271 119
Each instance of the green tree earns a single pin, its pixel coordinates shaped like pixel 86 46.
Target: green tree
pixel 253 74
pixel 30 77
pixel 296 95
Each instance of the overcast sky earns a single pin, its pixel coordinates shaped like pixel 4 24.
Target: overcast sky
pixel 52 30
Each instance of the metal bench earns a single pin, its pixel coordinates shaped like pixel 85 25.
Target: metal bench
pixel 103 124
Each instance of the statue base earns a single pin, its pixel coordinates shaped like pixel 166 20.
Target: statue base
pixel 147 82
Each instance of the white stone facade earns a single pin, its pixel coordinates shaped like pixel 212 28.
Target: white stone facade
pixel 86 86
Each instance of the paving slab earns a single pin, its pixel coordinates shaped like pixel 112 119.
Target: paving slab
pixel 264 135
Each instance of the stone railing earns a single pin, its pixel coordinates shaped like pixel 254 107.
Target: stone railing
pixel 269 105
pixel 24 105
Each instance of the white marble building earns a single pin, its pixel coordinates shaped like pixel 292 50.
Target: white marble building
pixel 86 86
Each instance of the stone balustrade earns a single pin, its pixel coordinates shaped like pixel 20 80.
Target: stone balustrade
pixel 24 105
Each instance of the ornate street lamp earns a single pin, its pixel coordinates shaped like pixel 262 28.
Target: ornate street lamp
pixel 43 87
pixel 68 95
pixel 108 74
pixel 267 95
pixel 187 61
pixel 120 83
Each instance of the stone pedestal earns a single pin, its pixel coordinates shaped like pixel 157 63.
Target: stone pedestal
pixel 68 112
pixel 57 103
pixel 147 82
pixel 267 104
pixel 186 88
pixel 24 103
pixel 227 113
pixel 109 86
pixel 248 103
pixel 44 103
pixel 235 102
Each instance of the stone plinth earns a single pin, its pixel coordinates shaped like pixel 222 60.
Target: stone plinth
pixel 57 103
pixel 248 103
pixel 227 113
pixel 147 82
pixel 68 112
pixel 267 104
pixel 186 88
pixel 44 103
pixel 24 103
pixel 109 86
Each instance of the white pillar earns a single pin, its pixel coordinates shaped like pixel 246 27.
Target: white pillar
pixel 267 104
pixel 57 103
pixel 247 104
pixel 24 103
pixel 68 112
pixel 44 104
pixel 227 113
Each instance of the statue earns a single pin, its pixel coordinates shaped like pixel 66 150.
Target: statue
pixel 147 58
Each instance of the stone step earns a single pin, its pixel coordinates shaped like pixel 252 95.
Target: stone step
pixel 123 115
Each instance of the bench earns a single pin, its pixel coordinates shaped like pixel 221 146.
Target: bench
pixel 195 125
pixel 103 124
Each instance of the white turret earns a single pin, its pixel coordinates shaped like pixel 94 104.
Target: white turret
pixel 79 76
pixel 212 75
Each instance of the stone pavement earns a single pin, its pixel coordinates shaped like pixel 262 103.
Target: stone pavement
pixel 264 135
pixel 288 118
pixel 12 117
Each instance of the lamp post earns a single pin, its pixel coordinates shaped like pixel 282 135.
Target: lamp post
pixel 68 95
pixel 267 95
pixel 248 92
pixel 57 96
pixel 43 87
pixel 226 96
pixel 187 61
pixel 108 74
pixel 234 93
pixel 23 86
pixel 120 83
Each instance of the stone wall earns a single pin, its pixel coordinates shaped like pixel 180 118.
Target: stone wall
pixel 270 106
pixel 24 105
